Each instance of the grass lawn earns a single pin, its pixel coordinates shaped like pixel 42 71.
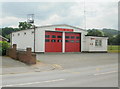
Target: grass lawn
pixel 114 48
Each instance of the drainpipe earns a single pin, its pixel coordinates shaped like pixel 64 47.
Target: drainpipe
pixel 34 38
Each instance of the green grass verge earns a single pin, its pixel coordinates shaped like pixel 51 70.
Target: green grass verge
pixel 114 48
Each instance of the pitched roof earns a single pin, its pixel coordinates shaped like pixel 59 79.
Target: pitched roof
pixel 53 26
pixel 61 25
pixel 96 36
pixel 4 38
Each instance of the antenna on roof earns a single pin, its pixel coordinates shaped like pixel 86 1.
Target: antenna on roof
pixel 84 15
pixel 30 18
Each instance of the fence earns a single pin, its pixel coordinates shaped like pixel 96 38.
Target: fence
pixel 24 56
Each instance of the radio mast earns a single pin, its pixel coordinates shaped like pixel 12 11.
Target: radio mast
pixel 84 16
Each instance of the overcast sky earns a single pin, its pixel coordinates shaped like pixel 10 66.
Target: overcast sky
pixel 98 14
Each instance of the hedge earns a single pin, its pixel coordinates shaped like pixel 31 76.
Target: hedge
pixel 3 47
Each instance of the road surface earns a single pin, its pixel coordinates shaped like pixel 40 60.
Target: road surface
pixel 97 76
pixel 71 70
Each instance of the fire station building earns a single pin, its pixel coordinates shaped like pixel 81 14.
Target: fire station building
pixel 58 38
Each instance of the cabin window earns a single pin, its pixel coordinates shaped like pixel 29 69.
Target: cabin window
pixel 98 42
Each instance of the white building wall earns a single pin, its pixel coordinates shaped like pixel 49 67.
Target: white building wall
pixel 40 40
pixel 23 40
pixel 27 40
pixel 86 44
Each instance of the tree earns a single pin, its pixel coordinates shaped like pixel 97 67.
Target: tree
pixel 117 39
pixel 24 25
pixel 5 32
pixel 95 32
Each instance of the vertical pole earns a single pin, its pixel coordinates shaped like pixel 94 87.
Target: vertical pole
pixel 84 15
pixel 63 42
pixel 34 38
pixel 11 38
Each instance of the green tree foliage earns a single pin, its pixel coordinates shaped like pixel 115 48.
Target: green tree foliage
pixel 3 47
pixel 109 32
pixel 5 32
pixel 117 39
pixel 113 36
pixel 95 32
pixel 0 31
pixel 24 25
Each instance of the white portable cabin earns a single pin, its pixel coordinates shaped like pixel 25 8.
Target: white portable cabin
pixel 96 44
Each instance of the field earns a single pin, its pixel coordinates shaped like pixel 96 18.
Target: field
pixel 114 48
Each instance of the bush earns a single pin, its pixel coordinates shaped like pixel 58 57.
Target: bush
pixel 3 47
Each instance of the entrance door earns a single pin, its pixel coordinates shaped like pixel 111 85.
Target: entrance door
pixel 72 42
pixel 53 41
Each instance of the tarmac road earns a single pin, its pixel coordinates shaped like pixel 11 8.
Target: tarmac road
pixel 97 76
pixel 74 60
pixel 82 70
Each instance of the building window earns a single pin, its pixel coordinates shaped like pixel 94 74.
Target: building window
pixel 72 41
pixel 66 40
pixel 47 36
pixel 59 36
pixel 98 42
pixel 77 37
pixel 47 40
pixel 32 32
pixel 24 33
pixel 59 40
pixel 72 37
pixel 67 37
pixel 18 34
pixel 53 36
pixel 53 40
pixel 77 41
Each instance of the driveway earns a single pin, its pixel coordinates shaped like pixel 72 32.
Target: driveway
pixel 73 60
pixel 8 62
pixel 12 66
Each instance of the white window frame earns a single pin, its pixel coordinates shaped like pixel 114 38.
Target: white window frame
pixel 98 42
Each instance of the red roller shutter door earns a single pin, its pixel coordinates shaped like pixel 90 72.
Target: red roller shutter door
pixel 72 42
pixel 53 42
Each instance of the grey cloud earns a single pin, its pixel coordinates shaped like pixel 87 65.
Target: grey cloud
pixel 21 9
pixel 45 10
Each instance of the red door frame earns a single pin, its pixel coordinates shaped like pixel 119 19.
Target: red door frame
pixel 55 41
pixel 72 44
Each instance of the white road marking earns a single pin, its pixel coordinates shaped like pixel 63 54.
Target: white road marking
pixel 71 71
pixel 34 83
pixel 106 73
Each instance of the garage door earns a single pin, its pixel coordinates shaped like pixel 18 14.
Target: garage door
pixel 72 42
pixel 53 42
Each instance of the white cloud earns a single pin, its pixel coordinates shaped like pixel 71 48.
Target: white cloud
pixel 10 21
pixel 102 15
pixel 51 20
pixel 98 14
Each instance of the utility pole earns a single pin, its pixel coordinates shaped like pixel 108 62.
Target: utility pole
pixel 30 20
pixel 34 37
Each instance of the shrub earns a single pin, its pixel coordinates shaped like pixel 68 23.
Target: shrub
pixel 3 47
